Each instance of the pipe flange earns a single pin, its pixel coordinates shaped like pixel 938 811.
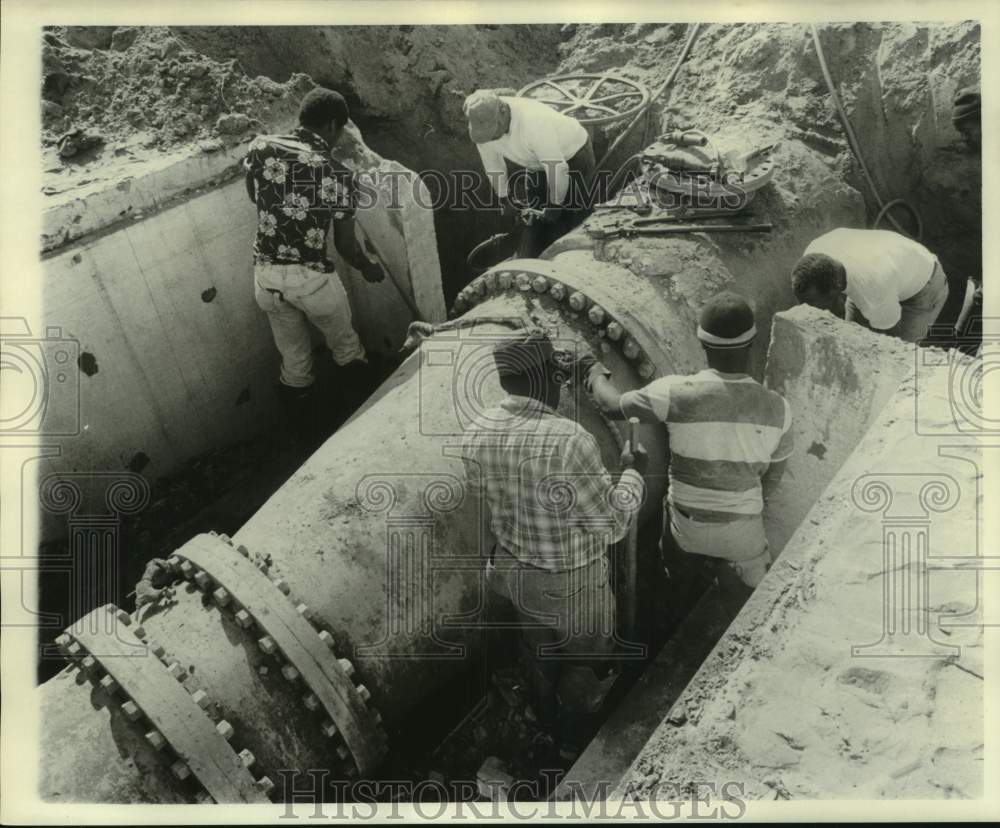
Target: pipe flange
pixel 286 630
pixel 112 651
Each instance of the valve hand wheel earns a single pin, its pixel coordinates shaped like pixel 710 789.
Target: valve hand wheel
pixel 593 99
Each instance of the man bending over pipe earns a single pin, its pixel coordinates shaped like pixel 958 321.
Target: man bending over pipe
pixel 877 278
pixel 553 511
pixel 729 440
pixel 298 188
pixel 554 149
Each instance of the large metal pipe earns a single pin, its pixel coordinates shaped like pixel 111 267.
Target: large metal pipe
pixel 372 539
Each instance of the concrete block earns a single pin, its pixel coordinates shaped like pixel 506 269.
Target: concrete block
pixel 836 376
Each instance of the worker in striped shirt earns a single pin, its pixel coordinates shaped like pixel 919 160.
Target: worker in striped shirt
pixel 553 511
pixel 729 440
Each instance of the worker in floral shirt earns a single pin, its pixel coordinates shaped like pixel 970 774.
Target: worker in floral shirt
pixel 299 189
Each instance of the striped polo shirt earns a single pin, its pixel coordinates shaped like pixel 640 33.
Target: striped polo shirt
pixel 725 431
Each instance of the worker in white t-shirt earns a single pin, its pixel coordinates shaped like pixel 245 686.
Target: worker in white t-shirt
pixel 878 278
pixel 555 150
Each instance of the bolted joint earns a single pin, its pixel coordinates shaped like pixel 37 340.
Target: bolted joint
pixel 221 596
pixel 109 685
pixel 540 284
pixel 290 673
pixel 243 619
pixel 326 638
pixel 283 586
pixel 180 770
pixel 243 551
pixel 346 666
pixel 364 692
pixel 247 758
pixel 523 282
pixel 557 290
pixel 646 369
pixel 577 301
pixel 630 348
pixel 266 643
pixel 131 711
pixel 264 785
pixel 187 569
pixel 200 698
pixel 203 581
pixel 177 671
pixel 505 280
pixel 225 730
pixel 155 740
pixel 123 617
pixel 596 315
pixel 156 648
pixel 329 729
pixel 304 611
pixel 311 702
pixel 614 331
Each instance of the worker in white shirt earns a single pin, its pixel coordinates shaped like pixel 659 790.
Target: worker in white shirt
pixel 554 149
pixel 877 278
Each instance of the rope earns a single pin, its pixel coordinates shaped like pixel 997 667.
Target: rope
pixel 662 88
pixel 856 149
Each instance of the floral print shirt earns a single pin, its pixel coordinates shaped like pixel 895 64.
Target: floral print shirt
pixel 297 188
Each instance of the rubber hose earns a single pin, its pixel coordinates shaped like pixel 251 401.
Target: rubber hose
pixel 855 148
pixel 899 202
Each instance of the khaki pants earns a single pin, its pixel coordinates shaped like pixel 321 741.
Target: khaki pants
pixel 917 313
pixel 567 629
pixel 290 295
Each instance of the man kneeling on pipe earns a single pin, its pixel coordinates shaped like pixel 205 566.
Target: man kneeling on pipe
pixel 877 278
pixel 553 148
pixel 298 188
pixel 729 439
pixel 553 511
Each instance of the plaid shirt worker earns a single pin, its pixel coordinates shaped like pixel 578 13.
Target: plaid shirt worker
pixel 553 505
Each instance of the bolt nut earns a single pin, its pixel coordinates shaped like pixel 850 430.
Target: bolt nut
pixel 477 288
pixel 289 672
pixel 225 730
pixel 614 331
pixel 630 348
pixel 343 752
pixel 174 562
pixel 200 698
pixel 283 586
pixel 243 551
pixel 264 785
pixel 326 638
pixel 646 369
pixel 596 315
pixel 225 538
pixel 577 301
pixel 88 663
pixel 180 770
pixel 311 702
pixel 140 633
pixel 504 280
pixel 490 281
pixel 243 619
pixel 124 617
pixel 540 284
pixel 187 569
pixel 203 581
pixel 247 758
pixel 156 648
pixel 155 740
pixel 364 692
pixel 221 596
pixel 557 291
pixel 304 611
pixel 523 282
pixel 109 684
pixel 346 666
pixel 267 645
pixel 329 729
pixel 62 641
pixel 131 711
pixel 177 671
pixel 74 649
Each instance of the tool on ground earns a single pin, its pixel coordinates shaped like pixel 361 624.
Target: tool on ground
pixel 631 555
pixel 653 227
pixel 419 330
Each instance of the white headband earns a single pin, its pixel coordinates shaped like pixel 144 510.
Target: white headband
pixel 723 341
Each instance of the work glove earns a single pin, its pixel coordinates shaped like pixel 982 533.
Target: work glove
pixel 585 368
pixel 155 583
pixel 635 457
pixel 372 271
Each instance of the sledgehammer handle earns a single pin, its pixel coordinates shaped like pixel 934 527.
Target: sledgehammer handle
pixel 631 555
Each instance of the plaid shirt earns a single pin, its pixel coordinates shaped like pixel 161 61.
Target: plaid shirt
pixel 297 188
pixel 552 503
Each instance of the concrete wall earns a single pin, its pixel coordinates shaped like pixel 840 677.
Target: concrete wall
pixel 836 377
pixel 151 281
pixel 820 688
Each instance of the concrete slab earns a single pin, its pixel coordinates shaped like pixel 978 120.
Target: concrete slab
pixel 848 674
pixel 837 377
